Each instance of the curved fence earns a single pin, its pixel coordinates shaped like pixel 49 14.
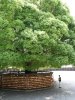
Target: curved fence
pixel 26 81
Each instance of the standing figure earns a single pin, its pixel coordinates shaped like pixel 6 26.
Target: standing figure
pixel 59 79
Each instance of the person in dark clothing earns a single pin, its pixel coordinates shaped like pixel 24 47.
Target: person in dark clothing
pixel 59 79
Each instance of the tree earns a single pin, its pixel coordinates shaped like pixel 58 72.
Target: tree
pixel 36 33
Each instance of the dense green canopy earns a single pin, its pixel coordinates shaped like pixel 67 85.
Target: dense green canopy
pixel 36 33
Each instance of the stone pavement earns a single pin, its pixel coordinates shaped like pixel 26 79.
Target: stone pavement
pixel 66 92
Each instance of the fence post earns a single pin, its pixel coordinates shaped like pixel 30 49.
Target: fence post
pixel 1 80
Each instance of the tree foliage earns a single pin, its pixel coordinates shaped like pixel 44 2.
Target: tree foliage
pixel 36 33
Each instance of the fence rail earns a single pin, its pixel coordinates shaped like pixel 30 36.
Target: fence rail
pixel 39 71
